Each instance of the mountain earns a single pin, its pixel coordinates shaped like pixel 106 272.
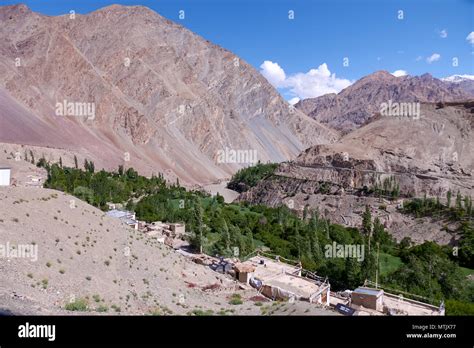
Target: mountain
pixel 465 82
pixel 356 104
pixel 458 78
pixel 428 156
pixel 139 90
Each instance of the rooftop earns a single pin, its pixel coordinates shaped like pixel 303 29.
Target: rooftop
pixel 407 306
pixel 368 291
pixel 244 267
pixel 396 305
pixel 284 276
pixel 119 213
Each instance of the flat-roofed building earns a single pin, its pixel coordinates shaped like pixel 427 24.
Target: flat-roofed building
pixel 371 301
pixel 281 281
pixel 127 217
pixel 368 298
pixel 244 271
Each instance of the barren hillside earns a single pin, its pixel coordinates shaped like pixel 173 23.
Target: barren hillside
pixel 152 95
pixel 84 255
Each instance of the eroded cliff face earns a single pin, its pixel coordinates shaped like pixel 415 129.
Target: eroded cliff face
pixel 404 157
pixel 168 98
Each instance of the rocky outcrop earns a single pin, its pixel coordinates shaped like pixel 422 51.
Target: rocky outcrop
pixel 402 157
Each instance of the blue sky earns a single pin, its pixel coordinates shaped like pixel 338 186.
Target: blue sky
pixel 367 32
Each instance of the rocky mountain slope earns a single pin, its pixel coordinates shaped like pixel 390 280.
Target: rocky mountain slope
pixel 160 97
pixel 465 82
pixel 429 155
pixel 356 104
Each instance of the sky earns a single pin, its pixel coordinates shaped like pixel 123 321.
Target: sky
pixel 307 48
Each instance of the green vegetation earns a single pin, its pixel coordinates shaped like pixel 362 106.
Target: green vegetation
pixel 249 177
pixel 454 307
pixel 200 312
pixel 388 187
pixel 236 299
pixel 389 263
pixel 101 187
pixel 102 309
pixel 428 271
pixel 219 228
pixel 116 308
pixel 44 282
pixel 461 212
pixel 467 271
pixel 79 304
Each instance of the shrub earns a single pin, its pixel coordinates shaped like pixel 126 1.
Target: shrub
pixel 79 305
pixel 102 308
pixel 236 299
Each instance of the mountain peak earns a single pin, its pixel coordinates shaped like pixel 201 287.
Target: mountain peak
pixel 356 104
pixel 124 8
pixel 458 78
pixel 426 77
pixel 155 89
pixel 379 75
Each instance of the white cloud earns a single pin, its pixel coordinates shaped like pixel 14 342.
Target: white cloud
pixel 398 73
pixel 273 73
pixel 443 34
pixel 419 58
pixel 470 37
pixel 294 100
pixel 314 83
pixel 433 58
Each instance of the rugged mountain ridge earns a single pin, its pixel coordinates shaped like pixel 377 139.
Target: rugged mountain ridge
pixel 356 104
pixel 426 156
pixel 165 99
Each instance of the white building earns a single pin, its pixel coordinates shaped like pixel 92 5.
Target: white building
pixel 5 174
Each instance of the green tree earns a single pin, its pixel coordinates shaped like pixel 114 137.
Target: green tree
pixel 198 228
pixel 448 197
pixel 367 221
pixel 353 273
